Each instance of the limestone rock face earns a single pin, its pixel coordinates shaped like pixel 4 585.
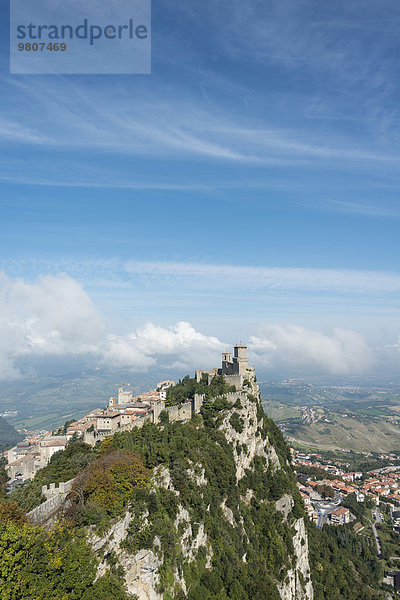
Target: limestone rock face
pixel 297 585
pixel 247 437
pixel 141 571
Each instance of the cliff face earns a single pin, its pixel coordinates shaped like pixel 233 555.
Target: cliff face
pixel 222 519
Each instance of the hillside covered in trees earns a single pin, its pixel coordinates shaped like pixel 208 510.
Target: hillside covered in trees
pixel 203 510
pixel 9 436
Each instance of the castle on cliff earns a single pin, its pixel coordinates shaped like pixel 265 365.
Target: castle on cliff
pixel 236 370
pixel 127 411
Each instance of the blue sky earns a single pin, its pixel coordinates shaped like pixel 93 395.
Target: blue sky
pixel 249 187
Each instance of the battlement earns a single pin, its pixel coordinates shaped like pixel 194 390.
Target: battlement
pixel 49 491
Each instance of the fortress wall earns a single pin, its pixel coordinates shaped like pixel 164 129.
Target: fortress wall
pixel 197 403
pixel 92 437
pixel 51 490
pixel 158 407
pixel 233 396
pixel 181 412
pixel 185 411
pixel 48 509
pixel 236 380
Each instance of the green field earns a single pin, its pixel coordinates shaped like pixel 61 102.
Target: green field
pixel 279 412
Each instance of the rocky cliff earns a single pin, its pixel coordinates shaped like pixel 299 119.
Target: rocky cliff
pixel 221 518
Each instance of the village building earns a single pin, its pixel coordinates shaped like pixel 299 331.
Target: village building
pixel 49 445
pixel 340 516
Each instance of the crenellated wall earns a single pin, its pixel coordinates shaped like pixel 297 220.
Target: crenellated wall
pixel 44 512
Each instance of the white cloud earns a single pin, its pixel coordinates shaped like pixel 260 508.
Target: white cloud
pixel 286 346
pixel 183 127
pixel 152 345
pixel 51 316
pixel 54 316
pixel 17 132
pixel 117 273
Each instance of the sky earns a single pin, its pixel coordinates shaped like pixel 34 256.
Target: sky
pixel 247 190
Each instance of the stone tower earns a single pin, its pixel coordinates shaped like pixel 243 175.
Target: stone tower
pixel 240 358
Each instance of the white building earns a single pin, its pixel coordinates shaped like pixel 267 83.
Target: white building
pixel 49 445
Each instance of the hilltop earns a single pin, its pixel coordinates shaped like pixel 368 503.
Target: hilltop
pixel 200 508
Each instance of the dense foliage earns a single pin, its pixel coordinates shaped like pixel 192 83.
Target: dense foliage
pixel 359 509
pixel 104 487
pixel 35 565
pixel 188 387
pixel 344 565
pixel 3 478
pixel 244 547
pixel 9 436
pixel 313 473
pixel 10 511
pixel 191 451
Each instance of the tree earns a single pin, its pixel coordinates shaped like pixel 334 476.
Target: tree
pixel 106 485
pixel 164 417
pixel 10 511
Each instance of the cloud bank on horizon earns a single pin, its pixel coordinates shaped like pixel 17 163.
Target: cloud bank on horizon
pixel 54 316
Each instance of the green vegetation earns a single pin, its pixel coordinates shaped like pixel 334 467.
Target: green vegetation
pixel 36 565
pixel 9 436
pixel 244 547
pixel 325 491
pixel 10 511
pixel 344 565
pixel 314 472
pixel 188 387
pixel 266 541
pixel 104 487
pixel 3 478
pixel 236 422
pixel 359 509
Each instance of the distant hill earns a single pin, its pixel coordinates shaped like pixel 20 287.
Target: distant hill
pixel 9 436
pixel 361 419
pixel 359 435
